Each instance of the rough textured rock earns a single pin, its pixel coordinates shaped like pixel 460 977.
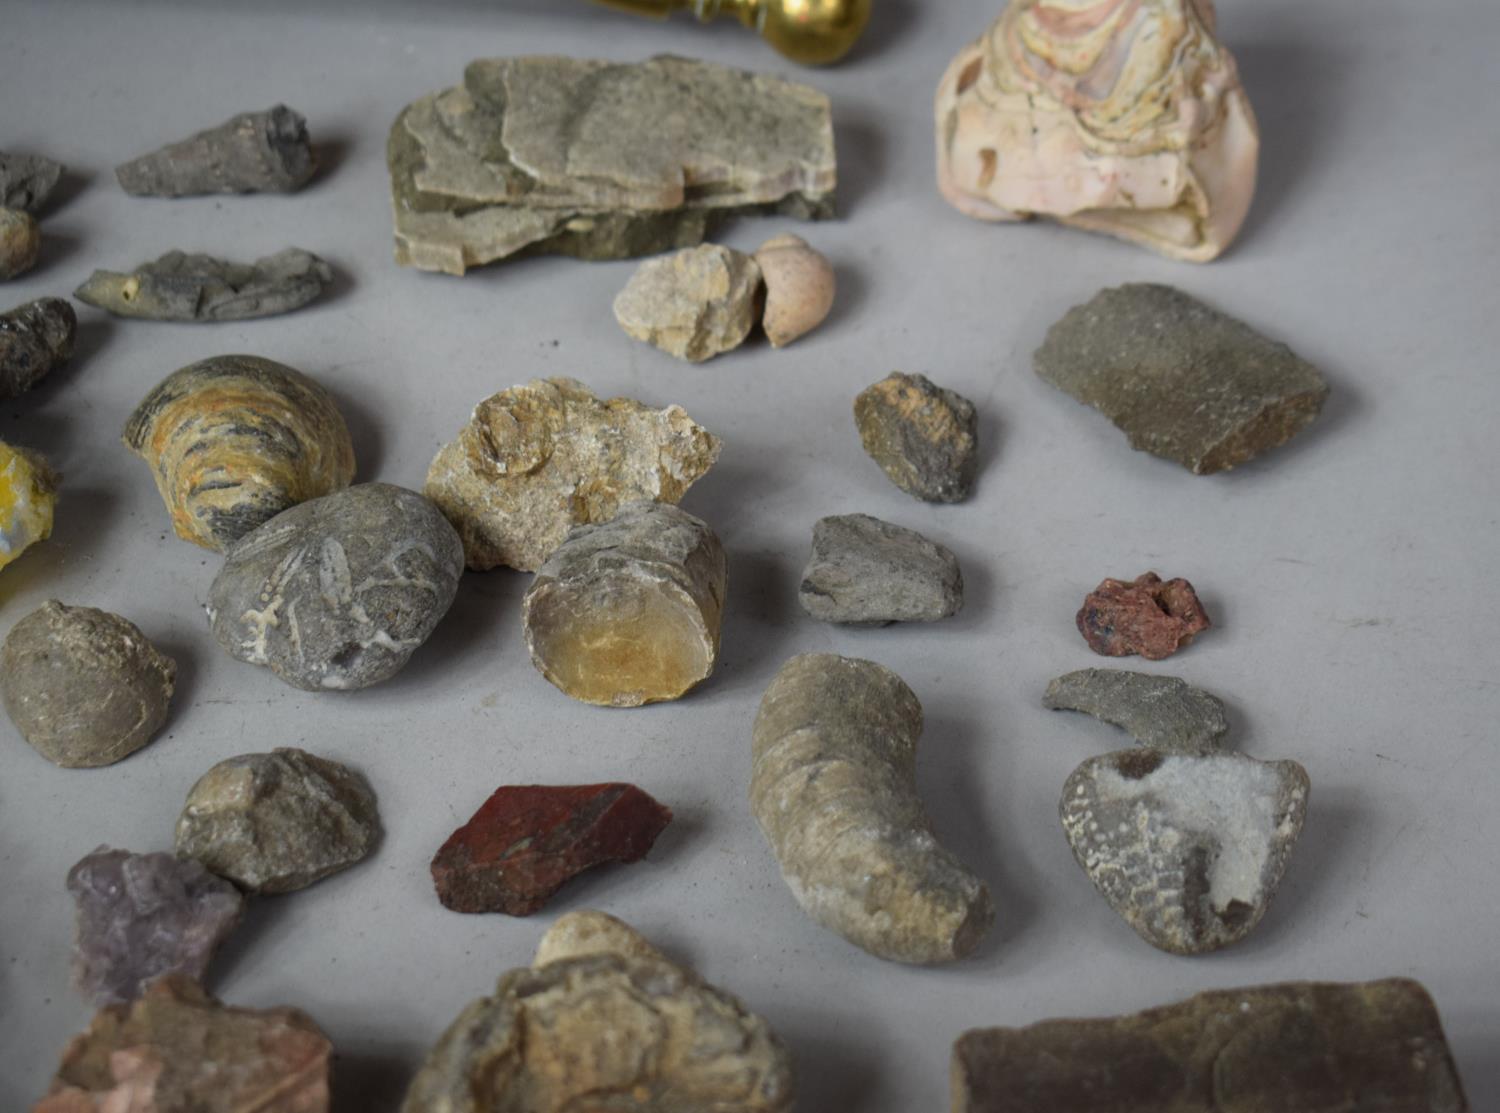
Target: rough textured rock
pixel 1119 116
pixel 233 441
pixel 276 822
pixel 36 338
pixel 693 304
pixel 254 152
pixel 83 686
pixel 1146 616
pixel 26 181
pixel 28 496
pixel 338 592
pixel 182 287
pixel 537 460
pixel 923 437
pixel 867 571
pixel 833 787
pixel 20 243
pixel 1301 1047
pixel 604 1022
pixel 1187 848
pixel 800 287
pixel 142 916
pixel 600 160
pixel 177 1050
pixel 1163 712
pixel 1181 380
pixel 629 612
pixel 527 841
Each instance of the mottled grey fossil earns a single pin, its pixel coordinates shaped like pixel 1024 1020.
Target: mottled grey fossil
pixel 276 822
pixel 26 181
pixel 1181 380
pixel 870 572
pixel 338 591
pixel 1163 712
pixel 142 916
pixel 83 686
pixel 35 339
pixel 183 287
pixel 253 152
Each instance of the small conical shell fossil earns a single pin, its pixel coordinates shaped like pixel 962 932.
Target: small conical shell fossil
pixel 233 441
pixel 1120 116
pixel 799 288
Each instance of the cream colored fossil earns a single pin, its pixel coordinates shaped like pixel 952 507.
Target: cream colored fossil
pixel 1119 116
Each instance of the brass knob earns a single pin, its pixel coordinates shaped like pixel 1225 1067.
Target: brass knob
pixel 813 32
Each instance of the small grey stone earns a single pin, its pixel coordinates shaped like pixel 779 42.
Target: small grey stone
pixel 1187 848
pixel 1163 712
pixel 867 571
pixel 35 339
pixel 924 438
pixel 182 287
pixel 20 243
pixel 276 822
pixel 1181 380
pixel 253 152
pixel 693 304
pixel 140 916
pixel 338 591
pixel 26 181
pixel 84 686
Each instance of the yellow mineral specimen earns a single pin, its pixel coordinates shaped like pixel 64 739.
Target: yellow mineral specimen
pixel 28 492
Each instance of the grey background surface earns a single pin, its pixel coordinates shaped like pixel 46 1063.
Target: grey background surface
pixel 1351 575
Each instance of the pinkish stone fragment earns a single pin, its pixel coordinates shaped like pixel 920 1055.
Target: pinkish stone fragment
pixel 1147 616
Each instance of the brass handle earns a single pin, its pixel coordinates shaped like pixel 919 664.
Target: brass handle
pixel 813 32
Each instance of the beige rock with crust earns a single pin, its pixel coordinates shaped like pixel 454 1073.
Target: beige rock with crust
pixel 693 304
pixel 536 460
pixel 800 288
pixel 1119 116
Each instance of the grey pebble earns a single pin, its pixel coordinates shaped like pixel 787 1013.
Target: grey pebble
pixel 867 571
pixel 1163 712
pixel 253 152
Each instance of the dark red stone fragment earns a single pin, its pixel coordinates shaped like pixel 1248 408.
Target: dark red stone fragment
pixel 528 840
pixel 1148 616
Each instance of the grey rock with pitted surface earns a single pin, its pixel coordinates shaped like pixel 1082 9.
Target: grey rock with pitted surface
pixel 183 287
pixel 275 822
pixel 338 592
pixel 254 152
pixel 1163 712
pixel 870 572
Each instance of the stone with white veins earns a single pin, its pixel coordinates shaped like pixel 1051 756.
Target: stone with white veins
pixel 867 571
pixel 1187 848
pixel 1163 712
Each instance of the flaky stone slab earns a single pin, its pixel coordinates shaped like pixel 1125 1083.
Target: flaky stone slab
pixel 833 787
pixel 628 612
pixel 1300 1047
pixel 536 460
pixel 183 287
pixel 693 304
pixel 1180 379
pixel 866 571
pixel 253 152
pixel 36 338
pixel 1163 712
pixel 924 437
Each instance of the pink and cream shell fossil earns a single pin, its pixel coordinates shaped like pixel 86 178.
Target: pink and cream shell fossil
pixel 1119 116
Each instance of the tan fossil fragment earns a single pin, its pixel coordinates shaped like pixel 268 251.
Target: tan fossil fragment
pixel 601 1020
pixel 800 287
pixel 1120 116
pixel 694 304
pixel 833 787
pixel 536 460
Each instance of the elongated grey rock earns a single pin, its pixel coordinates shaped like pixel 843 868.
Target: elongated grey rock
pixel 1181 380
pixel 1300 1047
pixel 275 822
pixel 183 287
pixel 693 304
pixel 142 916
pixel 867 571
pixel 1187 848
pixel 833 787
pixel 83 686
pixel 26 181
pixel 628 611
pixel 1163 712
pixel 338 592
pixel 254 152
pixel 36 338
pixel 600 160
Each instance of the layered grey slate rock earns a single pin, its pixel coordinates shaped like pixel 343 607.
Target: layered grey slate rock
pixel 183 287
pixel 866 571
pixel 1163 712
pixel 254 152
pixel 26 181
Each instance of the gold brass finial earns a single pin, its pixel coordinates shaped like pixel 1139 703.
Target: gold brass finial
pixel 813 32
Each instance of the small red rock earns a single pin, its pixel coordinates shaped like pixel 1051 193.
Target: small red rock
pixel 1149 617
pixel 528 840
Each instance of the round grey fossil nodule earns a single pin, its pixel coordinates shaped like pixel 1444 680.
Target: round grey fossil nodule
pixel 83 686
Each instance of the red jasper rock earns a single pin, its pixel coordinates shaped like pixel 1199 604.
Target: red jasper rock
pixel 528 840
pixel 1149 616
